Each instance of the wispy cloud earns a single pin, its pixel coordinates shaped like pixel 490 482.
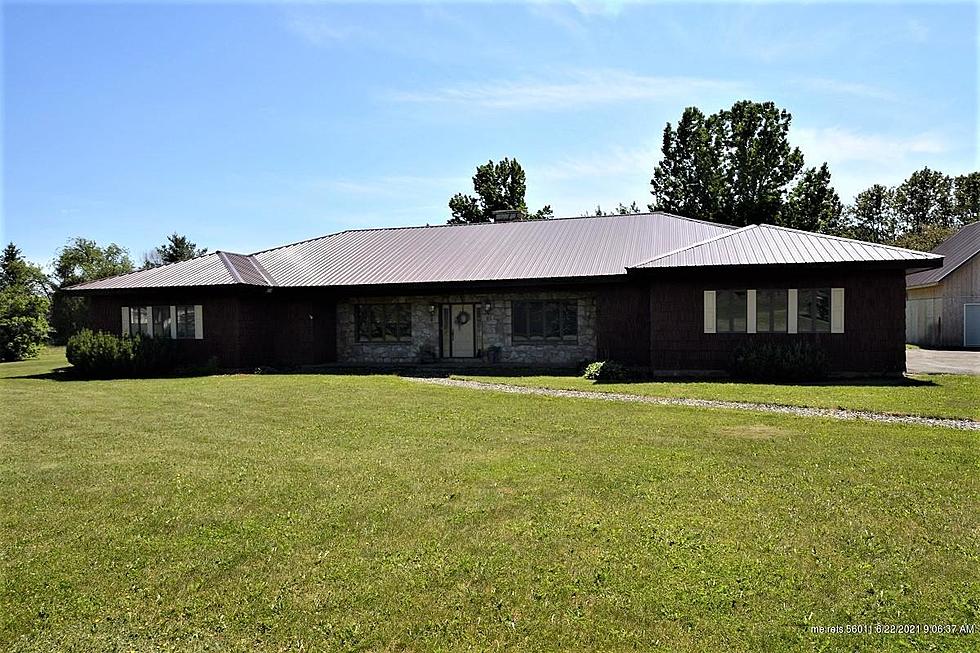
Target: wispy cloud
pixel 614 162
pixel 592 87
pixel 839 145
pixel 320 30
pixel 388 185
pixel 840 87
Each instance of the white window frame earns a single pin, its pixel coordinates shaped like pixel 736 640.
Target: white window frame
pixel 710 311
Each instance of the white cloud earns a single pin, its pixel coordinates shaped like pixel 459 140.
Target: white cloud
pixel 614 162
pixel 592 87
pixel 838 145
pixel 839 87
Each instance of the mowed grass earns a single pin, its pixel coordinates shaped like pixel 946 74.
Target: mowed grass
pixel 371 513
pixel 927 395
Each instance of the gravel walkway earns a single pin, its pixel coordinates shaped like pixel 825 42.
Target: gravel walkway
pixel 800 411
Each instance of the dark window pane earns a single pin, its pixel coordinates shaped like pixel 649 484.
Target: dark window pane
pixel 535 319
pixel 519 319
pixel 731 311
pixel 739 311
pixel 185 321
pixel 570 319
pixel 161 321
pixel 552 320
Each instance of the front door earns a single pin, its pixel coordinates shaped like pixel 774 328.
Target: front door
pixel 458 331
pixel 971 325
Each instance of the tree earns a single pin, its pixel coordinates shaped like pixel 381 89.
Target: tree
pixel 78 261
pixel 925 239
pixel 177 248
pixel 966 198
pixel 689 179
pixel 23 307
pixel 872 216
pixel 497 186
pixel 734 166
pixel 621 209
pixel 813 204
pixel 925 198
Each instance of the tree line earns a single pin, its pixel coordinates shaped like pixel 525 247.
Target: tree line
pixel 738 167
pixel 33 311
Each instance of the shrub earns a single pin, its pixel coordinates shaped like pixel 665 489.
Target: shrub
pixel 104 355
pixel 767 361
pixel 606 371
pixel 23 325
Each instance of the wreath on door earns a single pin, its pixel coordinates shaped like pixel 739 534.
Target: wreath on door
pixel 462 318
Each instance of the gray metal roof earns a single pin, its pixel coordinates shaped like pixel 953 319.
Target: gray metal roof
pixel 771 245
pixel 562 248
pixel 545 249
pixel 957 250
pixel 208 270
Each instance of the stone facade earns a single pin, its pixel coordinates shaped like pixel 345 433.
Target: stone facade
pixel 492 329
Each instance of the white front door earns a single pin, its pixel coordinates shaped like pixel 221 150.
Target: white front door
pixel 461 331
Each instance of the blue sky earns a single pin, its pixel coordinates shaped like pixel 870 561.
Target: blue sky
pixel 246 126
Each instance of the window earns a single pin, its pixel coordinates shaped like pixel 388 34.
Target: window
pixel 813 314
pixel 731 308
pixel 139 321
pixel 185 321
pixel 544 320
pixel 161 321
pixel 383 322
pixel 771 311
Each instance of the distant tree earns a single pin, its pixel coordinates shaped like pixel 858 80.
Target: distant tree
pixel 734 166
pixel 177 248
pixel 966 198
pixel 621 209
pixel 497 186
pixel 23 306
pixel 813 204
pixel 872 216
pixel 924 199
pixel 925 239
pixel 78 261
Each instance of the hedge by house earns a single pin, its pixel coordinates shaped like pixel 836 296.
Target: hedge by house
pixel 104 355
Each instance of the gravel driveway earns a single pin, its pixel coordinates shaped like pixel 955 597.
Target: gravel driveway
pixel 799 411
pixel 934 361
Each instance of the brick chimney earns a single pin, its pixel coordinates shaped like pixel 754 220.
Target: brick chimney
pixel 506 215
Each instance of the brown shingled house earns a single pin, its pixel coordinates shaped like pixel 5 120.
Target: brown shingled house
pixel 654 290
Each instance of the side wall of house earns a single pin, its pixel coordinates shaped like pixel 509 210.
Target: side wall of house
pixel 873 341
pixel 958 289
pixel 924 316
pixel 240 328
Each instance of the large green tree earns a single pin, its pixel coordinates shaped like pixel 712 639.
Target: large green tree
pixel 78 261
pixel 177 248
pixel 925 199
pixel 23 306
pixel 872 215
pixel 734 166
pixel 813 204
pixel 497 186
pixel 966 197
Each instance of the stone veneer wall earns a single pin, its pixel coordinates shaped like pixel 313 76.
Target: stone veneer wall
pixel 492 329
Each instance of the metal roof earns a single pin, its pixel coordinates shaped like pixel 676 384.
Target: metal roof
pixel 957 250
pixel 209 270
pixel 771 245
pixel 542 249
pixel 539 249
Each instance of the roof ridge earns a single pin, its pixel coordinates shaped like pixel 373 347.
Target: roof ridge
pixel 699 243
pixel 223 256
pixel 487 224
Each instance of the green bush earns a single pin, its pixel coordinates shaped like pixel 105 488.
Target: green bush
pixel 23 325
pixel 606 371
pixel 768 361
pixel 104 355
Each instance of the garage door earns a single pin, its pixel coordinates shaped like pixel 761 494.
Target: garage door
pixel 971 325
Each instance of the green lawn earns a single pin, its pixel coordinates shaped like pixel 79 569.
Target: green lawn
pixel 930 395
pixel 313 512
